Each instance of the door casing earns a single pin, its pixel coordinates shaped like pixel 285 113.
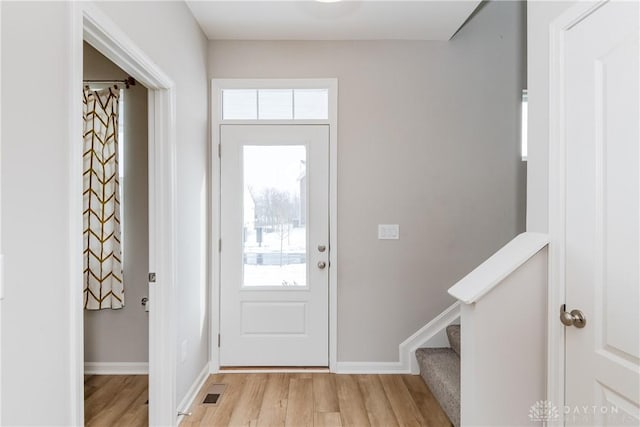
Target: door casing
pixel 217 86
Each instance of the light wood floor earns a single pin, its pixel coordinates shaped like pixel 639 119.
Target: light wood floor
pixel 275 400
pixel 115 400
pixel 307 399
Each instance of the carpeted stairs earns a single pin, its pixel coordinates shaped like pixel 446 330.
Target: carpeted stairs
pixel 440 369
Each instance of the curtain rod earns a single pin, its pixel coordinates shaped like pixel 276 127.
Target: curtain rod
pixel 129 81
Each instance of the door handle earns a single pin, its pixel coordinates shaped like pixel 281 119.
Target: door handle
pixel 574 318
pixel 321 265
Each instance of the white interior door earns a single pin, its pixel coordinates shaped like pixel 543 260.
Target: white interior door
pixel 274 245
pixel 601 124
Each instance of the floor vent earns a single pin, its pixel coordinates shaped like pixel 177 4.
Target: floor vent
pixel 214 393
pixel 211 398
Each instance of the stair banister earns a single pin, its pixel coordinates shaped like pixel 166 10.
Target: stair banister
pixel 494 270
pixel 503 326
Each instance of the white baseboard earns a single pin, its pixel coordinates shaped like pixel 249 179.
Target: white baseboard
pixel 371 368
pixel 116 368
pixel 193 391
pixel 273 371
pixel 431 331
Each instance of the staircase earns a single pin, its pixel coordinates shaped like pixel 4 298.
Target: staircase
pixel 440 369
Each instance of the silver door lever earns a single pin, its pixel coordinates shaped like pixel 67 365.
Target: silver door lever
pixel 574 318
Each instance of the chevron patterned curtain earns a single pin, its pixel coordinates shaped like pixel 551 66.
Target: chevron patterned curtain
pixel 103 287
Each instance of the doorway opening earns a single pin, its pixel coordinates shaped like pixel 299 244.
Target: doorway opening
pixel 91 25
pixel 116 333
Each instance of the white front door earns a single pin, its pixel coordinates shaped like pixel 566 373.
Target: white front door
pixel 602 264
pixel 274 245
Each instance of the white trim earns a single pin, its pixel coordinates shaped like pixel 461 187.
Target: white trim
pixel 214 301
pixel 421 337
pixel 332 84
pixel 557 201
pixel 2 282
pixel 76 247
pixel 274 371
pixel 116 368
pixel 494 270
pixel 193 391
pixel 371 368
pixel 92 25
pixel 273 84
pixel 100 30
pixel 217 85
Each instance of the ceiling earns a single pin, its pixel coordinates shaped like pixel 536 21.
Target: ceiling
pixel 345 20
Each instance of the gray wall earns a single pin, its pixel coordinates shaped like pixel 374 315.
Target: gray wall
pixel 428 137
pixel 123 335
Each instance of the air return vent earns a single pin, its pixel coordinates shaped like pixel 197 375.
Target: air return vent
pixel 214 394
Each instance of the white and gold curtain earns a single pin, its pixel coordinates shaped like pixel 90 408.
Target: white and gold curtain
pixel 103 286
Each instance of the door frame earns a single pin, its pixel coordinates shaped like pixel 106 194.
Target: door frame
pixel 217 86
pixel 556 387
pixel 90 24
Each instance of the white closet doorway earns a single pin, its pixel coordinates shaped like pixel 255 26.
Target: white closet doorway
pixel 94 27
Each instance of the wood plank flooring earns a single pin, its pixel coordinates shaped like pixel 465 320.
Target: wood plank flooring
pixel 115 400
pixel 311 399
pixel 275 399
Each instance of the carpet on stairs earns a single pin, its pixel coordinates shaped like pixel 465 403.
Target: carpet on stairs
pixel 440 370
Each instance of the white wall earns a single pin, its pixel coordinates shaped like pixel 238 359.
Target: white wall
pixel 35 165
pixel 504 339
pixel 429 139
pixel 123 335
pixel 539 15
pixel 35 219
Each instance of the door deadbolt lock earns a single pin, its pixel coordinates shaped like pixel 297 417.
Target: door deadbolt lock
pixel 322 248
pixel 574 318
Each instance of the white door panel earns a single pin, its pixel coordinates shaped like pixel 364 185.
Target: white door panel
pixel 275 232
pixel 603 216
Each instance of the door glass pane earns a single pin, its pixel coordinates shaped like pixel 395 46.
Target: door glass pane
pixel 274 219
pixel 311 104
pixel 239 104
pixel 275 104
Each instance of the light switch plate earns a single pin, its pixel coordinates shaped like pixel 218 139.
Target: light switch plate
pixel 388 231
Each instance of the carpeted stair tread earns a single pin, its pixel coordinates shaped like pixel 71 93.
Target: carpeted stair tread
pixel 453 333
pixel 440 369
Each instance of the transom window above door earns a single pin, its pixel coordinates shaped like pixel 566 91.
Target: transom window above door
pixel 275 104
